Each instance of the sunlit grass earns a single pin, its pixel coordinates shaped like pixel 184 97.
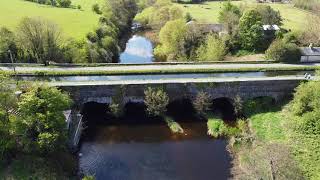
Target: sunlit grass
pixel 73 22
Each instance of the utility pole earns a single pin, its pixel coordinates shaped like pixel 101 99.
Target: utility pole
pixel 14 68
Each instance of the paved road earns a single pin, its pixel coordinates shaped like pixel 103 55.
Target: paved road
pixel 160 67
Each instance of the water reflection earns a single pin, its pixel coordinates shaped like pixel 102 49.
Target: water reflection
pixel 138 50
pixel 152 152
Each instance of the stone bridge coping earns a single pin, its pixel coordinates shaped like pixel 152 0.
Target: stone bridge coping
pixel 172 81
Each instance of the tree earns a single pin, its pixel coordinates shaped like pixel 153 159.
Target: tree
pixel 7 104
pixel 202 102
pixel 283 52
pixel 156 101
pixel 250 30
pixel 64 3
pixel 40 38
pixel 269 15
pixel 96 8
pixel 172 39
pixel 213 49
pixel 229 16
pixel 7 43
pixel 41 123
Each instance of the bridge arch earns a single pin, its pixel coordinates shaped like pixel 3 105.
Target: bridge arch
pixel 224 106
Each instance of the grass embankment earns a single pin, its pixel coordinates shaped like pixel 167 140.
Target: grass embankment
pixel 275 140
pixel 208 12
pixel 73 22
pixel 218 128
pixel 158 71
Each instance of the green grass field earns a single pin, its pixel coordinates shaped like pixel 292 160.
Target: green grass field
pixel 73 22
pixel 208 12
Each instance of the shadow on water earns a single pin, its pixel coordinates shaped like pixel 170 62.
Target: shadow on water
pixel 139 147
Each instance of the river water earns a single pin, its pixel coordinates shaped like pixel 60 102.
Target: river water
pixel 152 152
pixel 139 50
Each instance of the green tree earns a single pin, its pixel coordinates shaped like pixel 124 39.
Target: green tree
pixel 282 51
pixel 7 42
pixel 250 30
pixel 7 104
pixel 41 123
pixel 156 101
pixel 202 102
pixel 213 49
pixel 229 16
pixel 269 15
pixel 40 38
pixel 172 39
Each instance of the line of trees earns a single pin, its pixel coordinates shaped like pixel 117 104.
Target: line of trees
pixel 56 3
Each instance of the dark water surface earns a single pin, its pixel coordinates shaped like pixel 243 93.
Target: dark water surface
pixel 152 152
pixel 138 50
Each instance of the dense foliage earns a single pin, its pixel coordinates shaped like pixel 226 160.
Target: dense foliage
pixel 57 3
pixel 282 51
pixel 250 30
pixel 213 49
pixel 156 101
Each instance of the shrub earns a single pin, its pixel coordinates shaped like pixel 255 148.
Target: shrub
pixel 156 101
pixel 41 124
pixel 283 52
pixel 96 8
pixel 213 49
pixel 174 126
pixel 202 102
pixel 64 3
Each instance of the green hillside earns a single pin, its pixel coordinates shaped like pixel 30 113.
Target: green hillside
pixel 208 12
pixel 73 22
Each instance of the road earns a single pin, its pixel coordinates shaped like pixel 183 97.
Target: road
pixel 149 67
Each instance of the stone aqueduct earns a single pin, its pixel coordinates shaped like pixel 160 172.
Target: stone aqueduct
pixel 276 89
pixel 134 92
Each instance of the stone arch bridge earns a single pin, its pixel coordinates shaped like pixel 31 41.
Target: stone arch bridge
pixel 133 91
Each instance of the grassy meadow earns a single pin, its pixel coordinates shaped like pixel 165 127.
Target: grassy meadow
pixel 73 22
pixel 208 12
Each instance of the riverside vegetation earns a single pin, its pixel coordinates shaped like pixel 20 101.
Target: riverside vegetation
pixel 270 140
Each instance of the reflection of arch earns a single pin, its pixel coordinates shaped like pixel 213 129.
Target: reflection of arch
pixel 135 112
pixel 181 109
pixel 224 106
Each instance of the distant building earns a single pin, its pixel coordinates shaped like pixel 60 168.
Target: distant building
pixel 208 28
pixel 268 27
pixel 310 54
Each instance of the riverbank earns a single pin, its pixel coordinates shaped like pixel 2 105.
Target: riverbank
pixel 157 69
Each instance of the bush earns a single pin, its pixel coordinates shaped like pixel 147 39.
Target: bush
pixel 202 102
pixel 213 49
pixel 41 124
pixel 64 3
pixel 156 101
pixel 96 8
pixel 283 52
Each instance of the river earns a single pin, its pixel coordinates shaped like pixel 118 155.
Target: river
pixel 152 152
pixel 139 50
